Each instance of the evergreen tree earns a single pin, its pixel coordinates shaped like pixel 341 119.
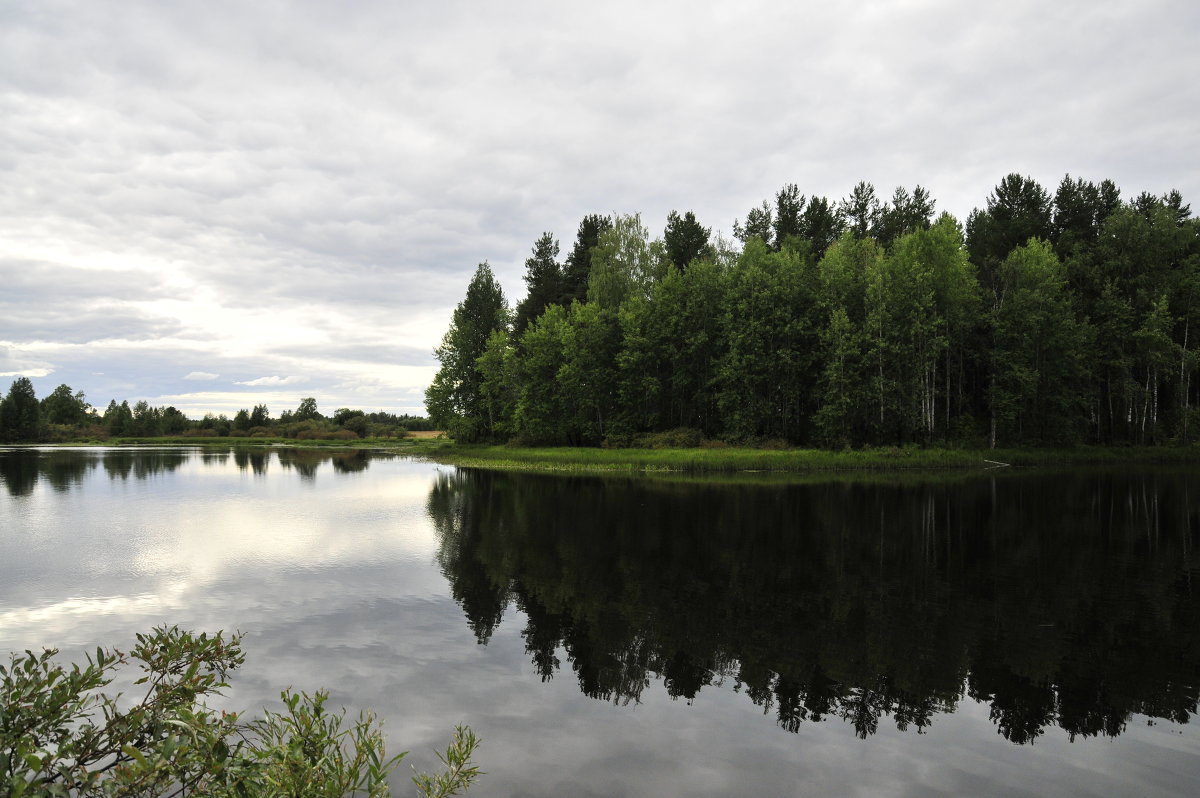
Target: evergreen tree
pixel 906 213
pixel 259 416
pixel 759 224
pixel 684 239
pixel 789 210
pixel 20 413
pixel 453 399
pixel 1018 209
pixel 118 419
pixel 861 210
pixel 821 225
pixel 577 268
pixel 544 279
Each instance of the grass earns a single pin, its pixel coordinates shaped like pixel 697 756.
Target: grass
pixel 734 459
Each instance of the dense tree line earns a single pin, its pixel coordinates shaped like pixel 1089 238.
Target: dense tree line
pixel 65 414
pixel 1045 319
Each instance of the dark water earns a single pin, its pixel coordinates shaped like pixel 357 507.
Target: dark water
pixel 1002 633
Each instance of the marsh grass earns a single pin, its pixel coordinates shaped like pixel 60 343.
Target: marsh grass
pixel 745 460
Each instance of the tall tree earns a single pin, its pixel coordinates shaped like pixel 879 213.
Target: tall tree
pixel 768 361
pixel 307 410
pixel 588 377
pixel 541 411
pixel 62 406
pixel 577 268
pixel 453 399
pixel 544 279
pixel 906 213
pixel 499 382
pixel 624 263
pixel 921 298
pixel 861 210
pixel 259 416
pixel 821 225
pixel 20 414
pixel 1018 209
pixel 759 224
pixel 118 419
pixel 1038 348
pixel 685 239
pixel 789 212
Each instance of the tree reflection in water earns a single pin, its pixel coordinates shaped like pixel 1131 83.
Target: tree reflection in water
pixel 1058 600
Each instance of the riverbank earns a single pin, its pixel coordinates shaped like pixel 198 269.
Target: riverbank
pixel 735 459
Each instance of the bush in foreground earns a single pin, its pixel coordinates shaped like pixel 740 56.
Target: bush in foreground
pixel 60 735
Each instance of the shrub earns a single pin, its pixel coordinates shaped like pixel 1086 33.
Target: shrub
pixel 59 735
pixel 678 438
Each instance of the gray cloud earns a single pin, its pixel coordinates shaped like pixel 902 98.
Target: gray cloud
pixel 306 190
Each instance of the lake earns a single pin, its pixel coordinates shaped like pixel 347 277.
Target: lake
pixel 1003 632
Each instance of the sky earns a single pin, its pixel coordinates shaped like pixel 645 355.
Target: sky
pixel 214 205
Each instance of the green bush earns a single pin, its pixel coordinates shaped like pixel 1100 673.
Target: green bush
pixel 61 736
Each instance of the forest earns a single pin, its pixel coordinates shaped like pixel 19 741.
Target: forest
pixel 65 415
pixel 1045 319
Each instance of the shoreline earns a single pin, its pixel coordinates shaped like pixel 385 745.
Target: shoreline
pixel 793 461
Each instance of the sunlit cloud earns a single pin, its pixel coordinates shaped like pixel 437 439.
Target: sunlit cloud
pixel 200 375
pixel 274 380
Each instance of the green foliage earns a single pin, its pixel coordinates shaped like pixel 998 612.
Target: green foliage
pixel 543 276
pixel 454 399
pixel 1038 350
pixel 861 210
pixel 577 268
pixel 118 418
pixel 60 734
pixel 62 406
pixel 624 263
pixel 1050 321
pixel 684 239
pixel 541 412
pixel 20 413
pixel 259 416
pixel 307 410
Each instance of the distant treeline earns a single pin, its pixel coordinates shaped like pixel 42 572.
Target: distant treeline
pixel 66 415
pixel 1047 319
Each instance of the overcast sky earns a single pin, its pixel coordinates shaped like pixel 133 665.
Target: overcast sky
pixel 218 204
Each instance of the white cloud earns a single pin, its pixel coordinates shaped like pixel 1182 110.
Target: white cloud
pixel 200 375
pixel 15 363
pixel 274 380
pixel 224 188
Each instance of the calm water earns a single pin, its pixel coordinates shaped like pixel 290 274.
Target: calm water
pixel 1008 633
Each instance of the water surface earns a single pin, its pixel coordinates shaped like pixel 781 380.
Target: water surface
pixel 989 634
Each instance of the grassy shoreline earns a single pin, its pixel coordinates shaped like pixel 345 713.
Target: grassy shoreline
pixel 733 459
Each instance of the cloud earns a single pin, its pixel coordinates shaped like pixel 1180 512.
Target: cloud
pixel 274 380
pixel 308 193
pixel 15 363
pixel 200 375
